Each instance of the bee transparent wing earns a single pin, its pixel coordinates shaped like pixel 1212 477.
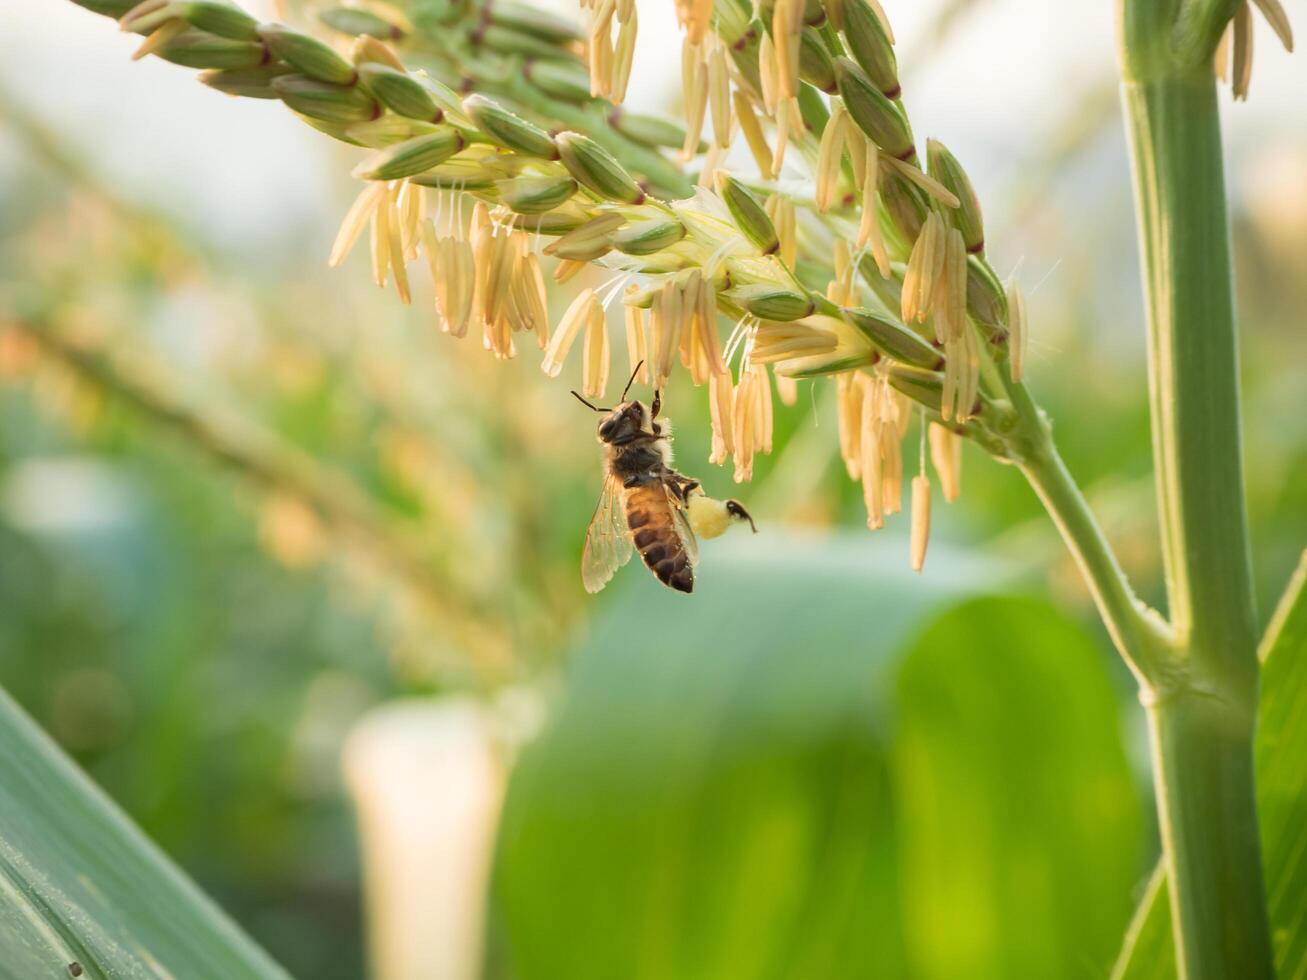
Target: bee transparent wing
pixel 607 540
pixel 683 528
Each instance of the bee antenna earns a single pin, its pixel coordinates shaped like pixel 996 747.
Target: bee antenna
pixel 593 408
pixel 631 380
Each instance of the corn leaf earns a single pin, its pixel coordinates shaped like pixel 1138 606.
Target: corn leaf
pixel 80 884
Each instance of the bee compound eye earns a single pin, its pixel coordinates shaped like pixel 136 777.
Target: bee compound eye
pixel 609 426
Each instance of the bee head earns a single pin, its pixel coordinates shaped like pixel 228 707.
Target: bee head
pixel 630 419
pixel 627 421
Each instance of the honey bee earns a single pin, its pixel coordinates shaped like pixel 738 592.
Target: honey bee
pixel 646 503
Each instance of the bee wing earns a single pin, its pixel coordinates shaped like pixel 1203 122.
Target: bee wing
pixel 683 528
pixel 607 540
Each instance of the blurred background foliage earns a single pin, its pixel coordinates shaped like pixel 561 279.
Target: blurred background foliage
pixel 245 500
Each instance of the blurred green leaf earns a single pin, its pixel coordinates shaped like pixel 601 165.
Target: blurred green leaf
pixel 715 796
pixel 79 883
pixel 1281 759
pixel 710 798
pixel 1019 824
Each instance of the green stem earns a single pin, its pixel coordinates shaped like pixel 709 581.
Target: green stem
pixel 1203 774
pixel 1202 711
pixel 1139 634
pixel 1193 373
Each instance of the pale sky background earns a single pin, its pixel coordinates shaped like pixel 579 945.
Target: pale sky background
pixel 256 179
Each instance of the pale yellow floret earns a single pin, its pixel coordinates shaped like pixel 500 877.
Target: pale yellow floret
pixel 753 134
pixel 358 216
pixel 946 457
pixel 637 341
pixel 721 407
pixel 869 452
pixel 595 367
pixel 395 246
pixel 920 520
pixel 719 97
pixel 1243 52
pixel 624 56
pixel 576 317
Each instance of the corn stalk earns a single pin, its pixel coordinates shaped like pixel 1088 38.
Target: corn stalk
pixel 1202 703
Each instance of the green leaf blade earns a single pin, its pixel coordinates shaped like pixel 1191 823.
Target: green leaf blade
pixel 1281 761
pixel 80 883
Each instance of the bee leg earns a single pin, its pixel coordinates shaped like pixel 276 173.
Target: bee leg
pixel 736 510
pixel 683 487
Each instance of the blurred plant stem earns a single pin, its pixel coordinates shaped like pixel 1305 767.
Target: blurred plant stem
pixel 1202 707
pixel 274 466
pixel 427 779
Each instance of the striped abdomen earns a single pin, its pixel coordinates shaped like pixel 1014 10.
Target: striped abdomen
pixel 657 535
